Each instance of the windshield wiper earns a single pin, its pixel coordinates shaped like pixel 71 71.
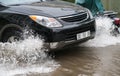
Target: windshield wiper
pixel 15 4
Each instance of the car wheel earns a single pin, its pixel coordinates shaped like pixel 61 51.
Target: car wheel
pixel 11 36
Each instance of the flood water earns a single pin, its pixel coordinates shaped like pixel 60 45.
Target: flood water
pixel 87 61
pixel 97 57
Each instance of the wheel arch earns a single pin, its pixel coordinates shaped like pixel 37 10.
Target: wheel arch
pixel 9 27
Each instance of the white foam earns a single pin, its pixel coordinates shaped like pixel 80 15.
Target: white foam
pixel 24 57
pixel 103 37
pixel 23 71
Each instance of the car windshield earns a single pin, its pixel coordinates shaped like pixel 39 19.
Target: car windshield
pixel 13 2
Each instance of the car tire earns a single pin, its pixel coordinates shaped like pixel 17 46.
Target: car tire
pixel 12 36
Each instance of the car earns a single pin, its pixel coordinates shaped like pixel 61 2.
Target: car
pixel 60 23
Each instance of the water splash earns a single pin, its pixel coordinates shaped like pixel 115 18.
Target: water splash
pixel 25 56
pixel 103 37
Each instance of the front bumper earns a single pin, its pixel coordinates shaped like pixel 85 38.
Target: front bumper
pixel 69 32
pixel 68 37
pixel 62 44
pixel 57 38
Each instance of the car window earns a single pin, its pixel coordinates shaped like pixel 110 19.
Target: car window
pixel 12 2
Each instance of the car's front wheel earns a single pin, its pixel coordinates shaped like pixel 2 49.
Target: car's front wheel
pixel 11 36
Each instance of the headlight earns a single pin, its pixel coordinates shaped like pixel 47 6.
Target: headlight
pixel 46 21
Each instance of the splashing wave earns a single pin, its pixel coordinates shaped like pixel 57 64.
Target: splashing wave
pixel 24 57
pixel 103 37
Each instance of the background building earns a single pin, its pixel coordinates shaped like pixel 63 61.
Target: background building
pixel 112 5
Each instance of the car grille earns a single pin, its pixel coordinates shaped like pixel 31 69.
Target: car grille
pixel 75 18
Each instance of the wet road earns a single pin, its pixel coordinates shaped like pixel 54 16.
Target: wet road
pixel 87 61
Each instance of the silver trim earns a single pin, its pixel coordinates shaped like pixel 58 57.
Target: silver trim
pixel 62 44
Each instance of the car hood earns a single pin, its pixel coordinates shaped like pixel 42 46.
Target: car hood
pixel 51 8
